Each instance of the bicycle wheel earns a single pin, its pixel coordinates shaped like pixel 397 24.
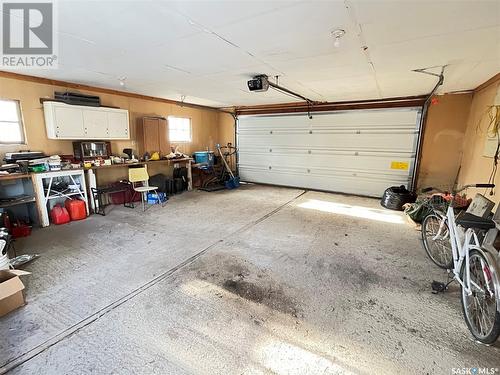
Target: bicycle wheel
pixel 480 307
pixel 438 249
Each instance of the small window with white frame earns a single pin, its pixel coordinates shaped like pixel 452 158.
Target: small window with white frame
pixel 179 129
pixel 11 122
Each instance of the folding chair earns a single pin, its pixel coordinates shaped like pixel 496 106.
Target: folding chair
pixel 139 179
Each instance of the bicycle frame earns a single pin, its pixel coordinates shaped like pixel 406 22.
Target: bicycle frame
pixel 466 247
pixel 460 251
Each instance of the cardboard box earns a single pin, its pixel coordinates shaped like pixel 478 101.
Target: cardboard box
pixel 11 290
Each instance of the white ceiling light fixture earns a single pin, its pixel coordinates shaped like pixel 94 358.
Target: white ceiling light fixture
pixel 122 81
pixel 337 34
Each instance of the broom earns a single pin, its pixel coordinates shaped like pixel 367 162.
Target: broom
pixel 233 182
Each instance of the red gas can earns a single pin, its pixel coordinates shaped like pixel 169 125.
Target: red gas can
pixel 59 215
pixel 76 209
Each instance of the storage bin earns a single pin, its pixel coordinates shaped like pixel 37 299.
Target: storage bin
pixel 120 198
pixel 21 230
pixel 152 198
pixel 76 209
pixel 204 157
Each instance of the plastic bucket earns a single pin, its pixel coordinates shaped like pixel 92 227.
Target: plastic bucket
pixel 204 157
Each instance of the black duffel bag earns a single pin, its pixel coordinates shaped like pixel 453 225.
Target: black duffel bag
pixel 396 196
pixel 160 181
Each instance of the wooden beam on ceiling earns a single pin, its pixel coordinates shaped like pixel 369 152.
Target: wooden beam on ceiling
pixel 412 101
pixel 490 81
pixel 78 86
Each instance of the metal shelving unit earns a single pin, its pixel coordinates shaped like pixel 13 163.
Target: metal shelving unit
pixel 17 194
pixel 16 202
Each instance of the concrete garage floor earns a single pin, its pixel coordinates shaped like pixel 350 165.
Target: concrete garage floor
pixel 257 280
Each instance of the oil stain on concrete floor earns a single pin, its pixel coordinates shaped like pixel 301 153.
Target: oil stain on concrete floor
pixel 255 281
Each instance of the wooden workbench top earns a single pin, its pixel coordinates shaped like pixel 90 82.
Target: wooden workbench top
pixel 14 176
pixel 169 161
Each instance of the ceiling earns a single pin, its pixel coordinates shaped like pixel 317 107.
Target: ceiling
pixel 204 52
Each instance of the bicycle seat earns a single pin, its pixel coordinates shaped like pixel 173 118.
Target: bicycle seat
pixel 468 220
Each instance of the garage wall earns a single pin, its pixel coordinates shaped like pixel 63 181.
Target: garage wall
pixel 226 128
pixel 204 121
pixel 476 168
pixel 444 135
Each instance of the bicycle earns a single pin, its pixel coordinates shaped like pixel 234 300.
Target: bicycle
pixel 435 233
pixel 475 269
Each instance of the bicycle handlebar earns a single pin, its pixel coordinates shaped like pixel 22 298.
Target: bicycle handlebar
pixel 430 188
pixel 475 186
pixel 485 185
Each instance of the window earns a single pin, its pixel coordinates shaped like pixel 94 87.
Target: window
pixel 11 124
pixel 179 129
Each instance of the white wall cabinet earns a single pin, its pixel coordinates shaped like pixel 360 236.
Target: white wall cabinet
pixel 94 123
pixel 116 122
pixel 65 121
pixel 68 122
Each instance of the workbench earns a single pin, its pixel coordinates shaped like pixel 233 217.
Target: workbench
pixel 115 172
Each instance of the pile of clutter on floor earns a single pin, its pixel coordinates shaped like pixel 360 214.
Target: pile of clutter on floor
pixel 11 286
pixel 426 203
pixel 417 207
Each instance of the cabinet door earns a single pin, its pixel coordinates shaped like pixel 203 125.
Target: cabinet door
pixel 68 122
pixel 118 125
pixel 150 129
pixel 95 124
pixel 163 137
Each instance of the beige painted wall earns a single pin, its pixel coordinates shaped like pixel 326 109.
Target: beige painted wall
pixel 226 128
pixel 442 145
pixel 204 121
pixel 476 168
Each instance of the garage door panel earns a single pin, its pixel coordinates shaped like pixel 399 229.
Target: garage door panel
pixel 351 185
pixel 360 151
pixel 351 163
pixel 376 141
pixel 362 119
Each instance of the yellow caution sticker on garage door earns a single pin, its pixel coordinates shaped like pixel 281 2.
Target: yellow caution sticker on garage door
pixel 402 165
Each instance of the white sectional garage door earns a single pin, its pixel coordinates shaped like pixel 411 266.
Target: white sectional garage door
pixel 357 152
